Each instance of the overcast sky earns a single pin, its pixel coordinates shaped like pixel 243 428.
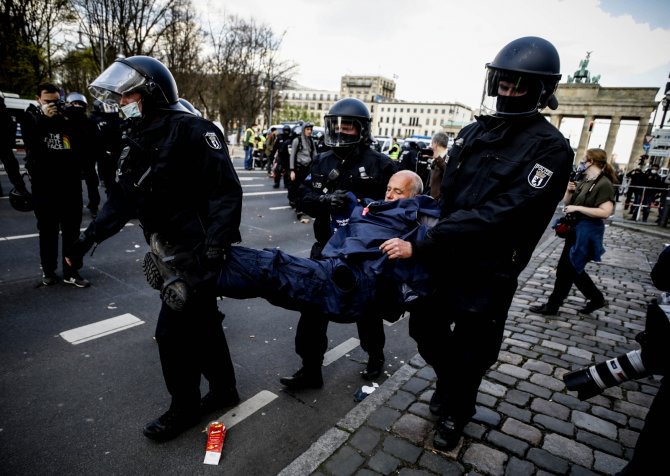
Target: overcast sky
pixel 436 49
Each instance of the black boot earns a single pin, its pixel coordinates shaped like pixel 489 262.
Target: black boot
pixel 304 378
pixel 171 424
pixel 447 434
pixel 544 309
pixel 592 305
pixel 374 368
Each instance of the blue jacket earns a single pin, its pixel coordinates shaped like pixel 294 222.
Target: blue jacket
pixel 354 276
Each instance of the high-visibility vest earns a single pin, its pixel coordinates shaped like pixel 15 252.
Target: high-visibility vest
pixel 249 136
pixel 394 152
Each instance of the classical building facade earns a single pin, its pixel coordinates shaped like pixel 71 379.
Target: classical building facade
pixel 390 116
pixel 592 101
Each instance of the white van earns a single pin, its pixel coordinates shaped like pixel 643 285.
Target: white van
pixel 16 106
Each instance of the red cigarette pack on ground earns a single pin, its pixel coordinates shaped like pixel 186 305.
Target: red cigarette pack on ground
pixel 215 438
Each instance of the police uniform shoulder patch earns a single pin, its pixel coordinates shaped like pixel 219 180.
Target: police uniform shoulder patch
pixel 213 140
pixel 539 176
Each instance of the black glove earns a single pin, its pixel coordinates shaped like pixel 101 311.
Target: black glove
pixel 78 249
pixel 337 200
pixel 215 257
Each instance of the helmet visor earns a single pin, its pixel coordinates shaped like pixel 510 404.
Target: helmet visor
pixel 116 80
pixel 510 93
pixel 342 131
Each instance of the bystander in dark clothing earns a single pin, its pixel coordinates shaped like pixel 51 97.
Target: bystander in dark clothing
pixel 650 185
pixel 54 147
pixel 303 151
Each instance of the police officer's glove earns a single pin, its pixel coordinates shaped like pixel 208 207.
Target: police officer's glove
pixel 337 200
pixel 215 257
pixel 78 249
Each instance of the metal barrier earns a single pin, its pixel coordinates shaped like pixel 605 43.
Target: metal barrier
pixel 643 202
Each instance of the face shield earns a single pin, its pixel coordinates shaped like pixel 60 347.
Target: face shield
pixel 342 131
pixel 509 93
pixel 116 80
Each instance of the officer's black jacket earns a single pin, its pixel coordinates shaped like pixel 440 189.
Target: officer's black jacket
pixel 366 174
pixel 176 176
pixel 500 189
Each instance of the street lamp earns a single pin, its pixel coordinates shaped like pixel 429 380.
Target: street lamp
pixel 272 86
pixel 80 46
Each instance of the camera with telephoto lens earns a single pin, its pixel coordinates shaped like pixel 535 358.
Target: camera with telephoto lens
pixel 653 358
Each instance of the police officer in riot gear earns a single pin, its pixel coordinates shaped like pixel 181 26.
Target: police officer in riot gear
pixel 91 153
pixel 349 166
pixel 282 157
pixel 176 176
pixel 505 175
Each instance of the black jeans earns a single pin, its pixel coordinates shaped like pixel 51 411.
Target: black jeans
pixel 566 276
pixel 311 339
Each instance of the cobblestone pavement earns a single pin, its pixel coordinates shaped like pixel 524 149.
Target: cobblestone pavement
pixel 527 423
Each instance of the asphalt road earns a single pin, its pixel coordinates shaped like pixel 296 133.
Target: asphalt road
pixel 78 407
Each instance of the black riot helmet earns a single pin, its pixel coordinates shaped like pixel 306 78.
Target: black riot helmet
pixel 188 105
pixel 347 124
pixel 522 78
pixel 141 74
pixel 286 131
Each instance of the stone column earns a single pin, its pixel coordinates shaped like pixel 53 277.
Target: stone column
pixel 556 120
pixel 611 136
pixel 584 138
pixel 637 150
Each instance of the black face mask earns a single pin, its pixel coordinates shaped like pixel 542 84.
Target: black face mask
pixel 517 104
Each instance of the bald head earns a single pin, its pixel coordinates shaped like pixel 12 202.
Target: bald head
pixel 403 184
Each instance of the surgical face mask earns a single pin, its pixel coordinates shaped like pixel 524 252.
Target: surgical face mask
pixel 581 167
pixel 131 110
pixel 654 171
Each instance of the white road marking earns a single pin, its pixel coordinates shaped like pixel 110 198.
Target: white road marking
pixel 333 354
pixel 284 207
pixel 252 194
pixel 101 328
pixel 247 408
pixel 253 185
pixel 35 235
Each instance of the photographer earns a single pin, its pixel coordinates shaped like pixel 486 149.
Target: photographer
pixel 653 441
pixel 53 160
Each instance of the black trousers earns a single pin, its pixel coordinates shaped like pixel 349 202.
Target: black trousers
pixel 654 438
pixel 56 216
pixel 301 174
pixel 192 343
pixel 311 339
pixel 566 276
pixel 460 346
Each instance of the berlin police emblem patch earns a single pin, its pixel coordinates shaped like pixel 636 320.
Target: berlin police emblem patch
pixel 213 140
pixel 539 176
